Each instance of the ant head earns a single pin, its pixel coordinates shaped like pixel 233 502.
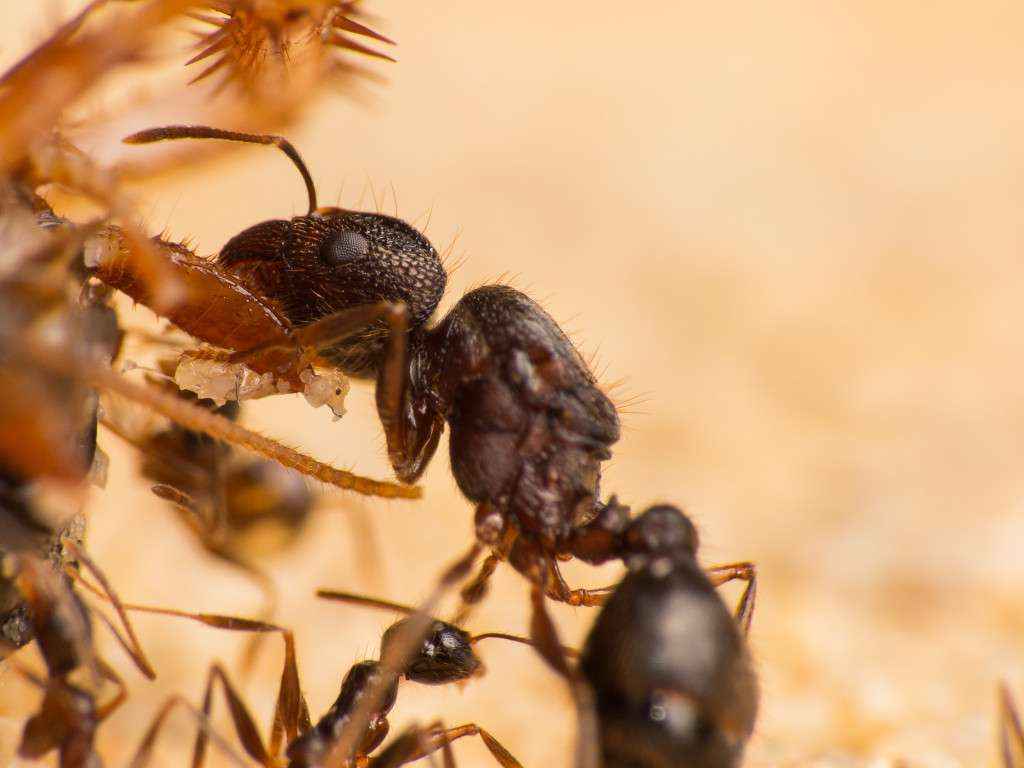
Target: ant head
pixel 445 655
pixel 661 531
pixel 369 257
pixel 334 259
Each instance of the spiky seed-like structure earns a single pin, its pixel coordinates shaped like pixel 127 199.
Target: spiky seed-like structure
pixel 255 42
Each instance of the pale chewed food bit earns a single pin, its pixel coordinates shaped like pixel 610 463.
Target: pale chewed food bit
pixel 329 388
pixel 221 381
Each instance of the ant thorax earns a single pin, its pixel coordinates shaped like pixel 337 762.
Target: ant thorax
pixel 529 424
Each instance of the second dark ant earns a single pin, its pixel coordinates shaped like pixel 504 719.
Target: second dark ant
pixel 529 424
pixel 665 678
pixel 426 650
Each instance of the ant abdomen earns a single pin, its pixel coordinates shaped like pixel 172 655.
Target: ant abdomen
pixel 674 683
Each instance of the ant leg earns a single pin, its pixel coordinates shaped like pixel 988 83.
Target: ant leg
pixel 557 589
pixel 291 714
pixel 145 749
pixel 102 713
pixel 1011 733
pixel 203 528
pixel 131 645
pixel 746 571
pixel 494 529
pixel 475 591
pixel 417 743
pixel 198 419
pixel 407 457
pixel 545 638
pixel 245 725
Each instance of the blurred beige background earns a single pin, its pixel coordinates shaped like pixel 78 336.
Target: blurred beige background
pixel 794 229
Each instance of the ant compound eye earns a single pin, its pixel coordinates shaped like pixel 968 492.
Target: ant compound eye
pixel 344 247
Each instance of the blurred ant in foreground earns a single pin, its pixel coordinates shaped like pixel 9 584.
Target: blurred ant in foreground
pixel 62 625
pixel 240 509
pixel 49 420
pixel 665 678
pixel 354 290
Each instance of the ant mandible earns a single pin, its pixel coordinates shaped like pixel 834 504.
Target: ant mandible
pixel 665 678
pixel 529 424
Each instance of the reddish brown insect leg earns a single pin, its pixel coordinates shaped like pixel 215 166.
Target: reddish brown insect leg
pixel 417 743
pixel 557 589
pixel 721 574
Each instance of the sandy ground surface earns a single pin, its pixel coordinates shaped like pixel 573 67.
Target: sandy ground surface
pixel 793 228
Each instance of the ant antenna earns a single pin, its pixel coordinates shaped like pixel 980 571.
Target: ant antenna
pixel 387 605
pixel 570 652
pixel 369 602
pixel 169 132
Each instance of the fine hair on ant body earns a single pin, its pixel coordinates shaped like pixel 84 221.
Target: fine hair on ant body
pixel 529 425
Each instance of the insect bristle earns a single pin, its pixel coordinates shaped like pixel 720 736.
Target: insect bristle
pixel 252 44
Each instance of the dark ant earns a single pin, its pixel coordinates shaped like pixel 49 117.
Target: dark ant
pixel 665 677
pixel 418 648
pixel 530 427
pixel 444 656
